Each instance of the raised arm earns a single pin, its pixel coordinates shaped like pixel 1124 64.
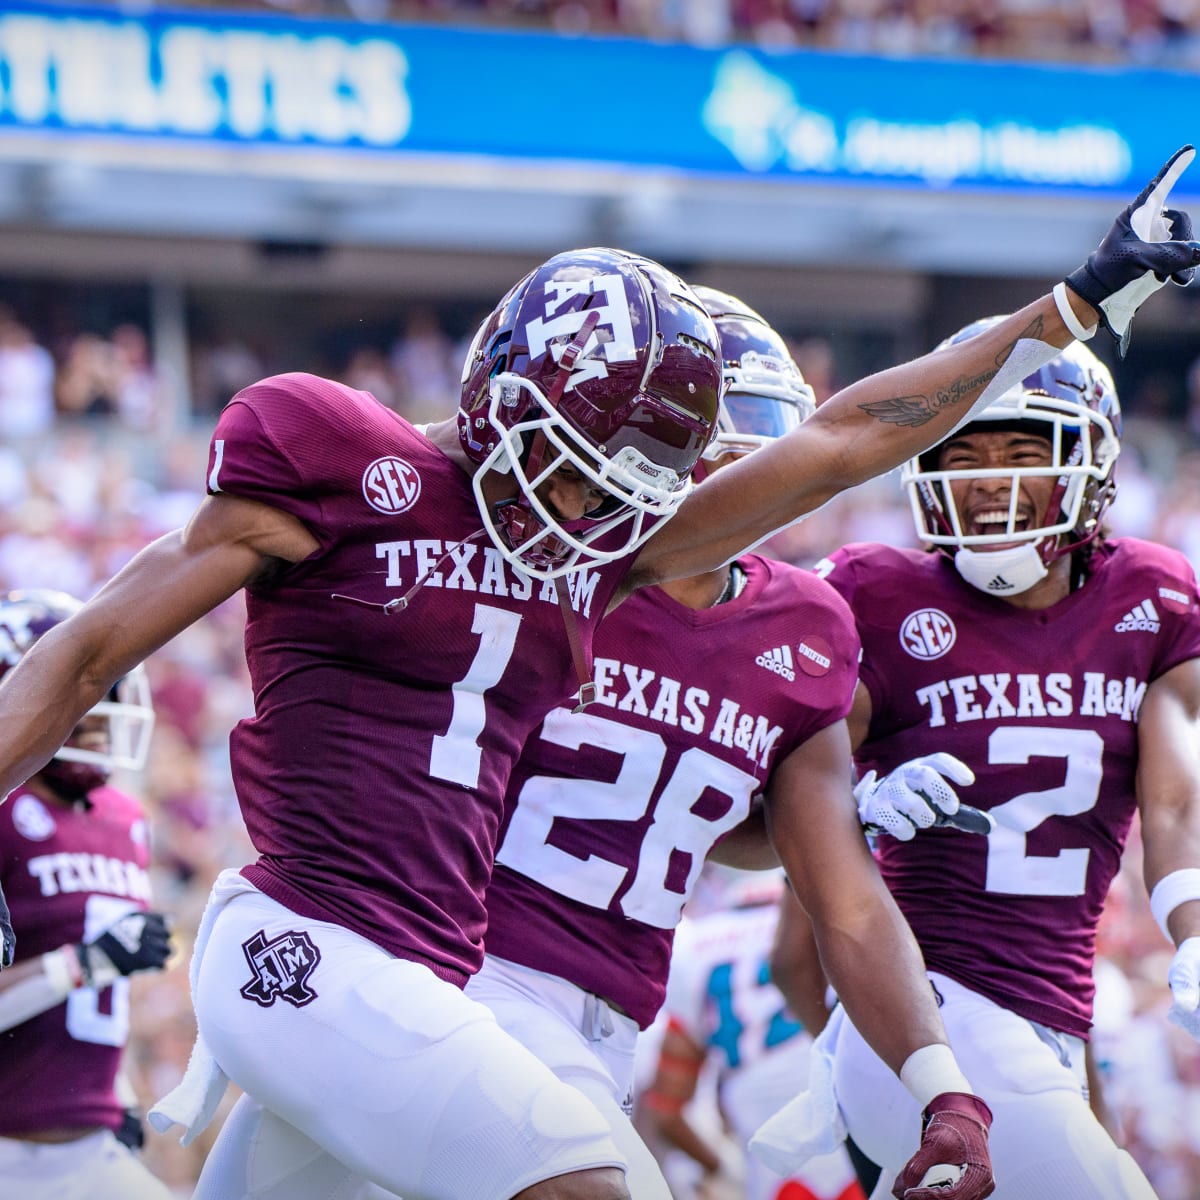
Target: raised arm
pixel 880 422
pixel 171 583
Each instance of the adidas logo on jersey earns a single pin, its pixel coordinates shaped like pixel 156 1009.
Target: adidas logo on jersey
pixel 1143 617
pixel 780 661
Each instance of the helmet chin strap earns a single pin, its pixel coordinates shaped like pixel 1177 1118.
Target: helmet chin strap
pixel 1002 572
pixel 72 781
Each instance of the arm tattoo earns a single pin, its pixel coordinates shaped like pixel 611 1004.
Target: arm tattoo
pixel 919 409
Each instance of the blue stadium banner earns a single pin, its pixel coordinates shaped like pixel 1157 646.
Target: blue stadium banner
pixel 268 80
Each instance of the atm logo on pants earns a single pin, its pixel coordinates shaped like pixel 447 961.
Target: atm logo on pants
pixel 281 968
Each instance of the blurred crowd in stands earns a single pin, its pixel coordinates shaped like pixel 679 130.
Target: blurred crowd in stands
pixel 1162 33
pixel 87 477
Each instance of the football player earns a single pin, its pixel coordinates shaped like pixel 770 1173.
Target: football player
pixel 716 696
pixel 418 600
pixel 1061 670
pixel 73 857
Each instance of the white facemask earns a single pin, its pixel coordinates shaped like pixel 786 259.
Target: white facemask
pixel 1002 572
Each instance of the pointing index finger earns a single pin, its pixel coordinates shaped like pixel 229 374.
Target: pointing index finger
pixel 1153 199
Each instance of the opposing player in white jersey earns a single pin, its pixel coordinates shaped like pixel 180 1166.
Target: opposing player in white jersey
pixel 1063 668
pixel 74 857
pixel 418 600
pixel 723 1011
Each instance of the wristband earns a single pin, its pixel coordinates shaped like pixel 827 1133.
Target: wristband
pixel 62 970
pixel 1069 319
pixel 1170 892
pixel 932 1070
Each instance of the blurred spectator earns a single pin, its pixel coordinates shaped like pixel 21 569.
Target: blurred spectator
pixel 814 357
pixel 26 381
pixel 70 472
pixel 426 369
pixel 369 371
pixel 1162 33
pixel 86 384
pixel 141 392
pixel 222 369
pixel 1178 521
pixel 1191 420
pixel 1149 425
pixel 1141 496
pixel 39 551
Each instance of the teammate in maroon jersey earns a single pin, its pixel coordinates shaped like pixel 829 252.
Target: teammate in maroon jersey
pixel 417 601
pixel 721 701
pixel 1063 669
pixel 74 858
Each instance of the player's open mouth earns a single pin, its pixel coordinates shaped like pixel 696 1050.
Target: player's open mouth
pixel 993 521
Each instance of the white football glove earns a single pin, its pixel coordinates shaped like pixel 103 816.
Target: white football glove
pixel 913 796
pixel 1184 980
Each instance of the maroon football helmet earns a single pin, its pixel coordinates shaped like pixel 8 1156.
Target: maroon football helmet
pixel 602 361
pixel 129 718
pixel 1072 403
pixel 764 394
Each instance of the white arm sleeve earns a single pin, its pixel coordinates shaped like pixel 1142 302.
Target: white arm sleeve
pixel 29 997
pixel 1027 355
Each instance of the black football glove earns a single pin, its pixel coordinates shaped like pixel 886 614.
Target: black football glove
pixel 8 940
pixel 1147 245
pixel 952 1162
pixel 139 941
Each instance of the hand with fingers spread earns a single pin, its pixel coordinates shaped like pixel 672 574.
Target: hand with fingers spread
pixel 1147 245
pixel 913 796
pixel 952 1162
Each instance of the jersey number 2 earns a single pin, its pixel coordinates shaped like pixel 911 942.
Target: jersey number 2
pixel 1010 868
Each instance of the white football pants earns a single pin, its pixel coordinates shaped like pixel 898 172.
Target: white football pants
pixel 1044 1139
pixel 360 1063
pixel 584 1042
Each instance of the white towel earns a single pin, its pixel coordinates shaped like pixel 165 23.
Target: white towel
pixel 193 1103
pixel 812 1122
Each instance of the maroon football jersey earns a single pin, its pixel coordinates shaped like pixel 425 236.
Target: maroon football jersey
pixel 372 773
pixel 611 812
pixel 68 875
pixel 1043 706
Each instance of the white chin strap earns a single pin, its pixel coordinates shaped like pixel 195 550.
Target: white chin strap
pixel 1002 572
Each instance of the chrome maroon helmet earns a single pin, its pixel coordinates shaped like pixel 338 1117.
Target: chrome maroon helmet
pixel 1072 402
pixel 129 718
pixel 764 392
pixel 602 361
